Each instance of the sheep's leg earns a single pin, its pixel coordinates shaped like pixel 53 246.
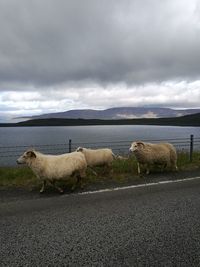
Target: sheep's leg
pixel 106 168
pixel 163 167
pixel 81 176
pixel 57 187
pixel 138 168
pixel 173 166
pixel 77 183
pixel 43 186
pixel 147 169
pixel 74 185
pixel 109 168
pixel 92 171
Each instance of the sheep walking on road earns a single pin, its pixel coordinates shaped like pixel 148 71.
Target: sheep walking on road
pixel 147 154
pixel 51 168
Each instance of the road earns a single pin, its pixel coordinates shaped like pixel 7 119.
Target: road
pixel 158 225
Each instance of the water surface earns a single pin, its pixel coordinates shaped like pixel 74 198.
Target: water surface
pixel 35 136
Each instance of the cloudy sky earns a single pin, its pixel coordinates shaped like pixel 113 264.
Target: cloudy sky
pixel 57 55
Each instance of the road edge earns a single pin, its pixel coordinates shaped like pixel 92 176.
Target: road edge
pixel 137 186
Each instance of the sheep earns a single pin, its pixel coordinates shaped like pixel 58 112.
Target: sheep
pixel 162 154
pixel 97 157
pixel 54 167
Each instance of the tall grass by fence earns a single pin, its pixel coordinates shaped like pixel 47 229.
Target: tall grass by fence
pixel 9 154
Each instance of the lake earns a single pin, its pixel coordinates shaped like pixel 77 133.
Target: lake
pixel 55 139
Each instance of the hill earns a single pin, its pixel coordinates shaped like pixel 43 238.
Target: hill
pixel 118 113
pixel 188 120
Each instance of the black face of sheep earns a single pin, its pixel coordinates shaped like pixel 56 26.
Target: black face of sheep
pixel 30 154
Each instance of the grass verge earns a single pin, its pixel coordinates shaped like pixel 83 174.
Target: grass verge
pixel 122 170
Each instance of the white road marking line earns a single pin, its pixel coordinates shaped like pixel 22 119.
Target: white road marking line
pixel 137 186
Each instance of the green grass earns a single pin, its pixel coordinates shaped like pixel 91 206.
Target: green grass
pixel 184 163
pixel 16 176
pixel 120 172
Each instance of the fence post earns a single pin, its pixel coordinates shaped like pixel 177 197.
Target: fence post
pixel 70 145
pixel 191 146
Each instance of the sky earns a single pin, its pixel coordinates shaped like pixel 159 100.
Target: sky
pixel 72 54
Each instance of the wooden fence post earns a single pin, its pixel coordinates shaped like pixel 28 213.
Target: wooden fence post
pixel 191 146
pixel 70 145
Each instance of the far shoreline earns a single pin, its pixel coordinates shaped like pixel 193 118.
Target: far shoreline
pixel 184 121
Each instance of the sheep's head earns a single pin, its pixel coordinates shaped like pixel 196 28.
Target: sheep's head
pixel 26 157
pixel 79 149
pixel 135 146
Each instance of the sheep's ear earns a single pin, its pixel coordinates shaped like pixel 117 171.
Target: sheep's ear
pixel 31 154
pixel 79 149
pixel 140 143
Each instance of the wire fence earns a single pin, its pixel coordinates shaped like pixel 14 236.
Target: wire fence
pixel 9 154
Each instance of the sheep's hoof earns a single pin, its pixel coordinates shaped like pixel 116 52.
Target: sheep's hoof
pixel 61 191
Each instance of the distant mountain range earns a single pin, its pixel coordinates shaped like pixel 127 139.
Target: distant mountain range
pixel 187 120
pixel 117 113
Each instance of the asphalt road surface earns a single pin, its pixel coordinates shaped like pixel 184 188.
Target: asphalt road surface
pixel 158 225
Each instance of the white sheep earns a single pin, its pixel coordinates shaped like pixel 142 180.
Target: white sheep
pixel 97 157
pixel 54 167
pixel 148 154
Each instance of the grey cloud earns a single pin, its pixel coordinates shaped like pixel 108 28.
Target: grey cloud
pixel 50 42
